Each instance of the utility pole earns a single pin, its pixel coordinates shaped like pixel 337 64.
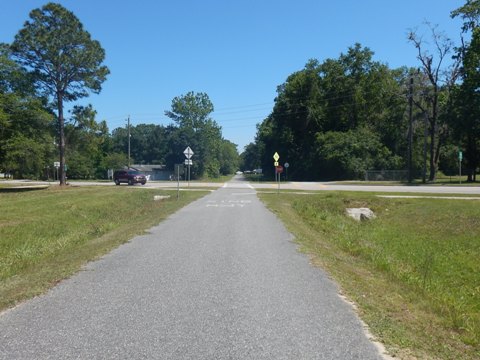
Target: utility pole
pixel 410 130
pixel 128 126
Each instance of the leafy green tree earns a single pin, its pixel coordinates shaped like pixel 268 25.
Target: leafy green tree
pixel 25 120
pixel 119 139
pixel 191 110
pixel 23 116
pixel 178 138
pixel 347 155
pixel 250 158
pixel 13 78
pixel 25 157
pixel 449 160
pixel 267 144
pixel 470 13
pixel 296 117
pixel 209 140
pixel 199 131
pixel 62 58
pixel 229 158
pixel 147 144
pixel 466 119
pixel 465 109
pixel 114 160
pixel 86 140
pixel 338 95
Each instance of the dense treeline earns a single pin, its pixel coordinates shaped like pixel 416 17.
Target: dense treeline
pixel 157 144
pixel 54 60
pixel 333 119
pixel 28 139
pixel 338 118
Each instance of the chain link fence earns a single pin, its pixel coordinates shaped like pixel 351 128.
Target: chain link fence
pixel 386 175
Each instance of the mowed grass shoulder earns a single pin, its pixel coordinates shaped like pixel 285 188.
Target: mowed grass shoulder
pixel 47 235
pixel 414 271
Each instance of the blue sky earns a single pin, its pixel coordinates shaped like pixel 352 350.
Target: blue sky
pixel 237 52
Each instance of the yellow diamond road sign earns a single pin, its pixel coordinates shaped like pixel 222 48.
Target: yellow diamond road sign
pixel 276 156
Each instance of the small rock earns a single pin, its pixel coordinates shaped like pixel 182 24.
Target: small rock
pixel 360 213
pixel 160 197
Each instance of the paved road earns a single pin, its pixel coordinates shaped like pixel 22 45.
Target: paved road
pixel 302 186
pixel 220 279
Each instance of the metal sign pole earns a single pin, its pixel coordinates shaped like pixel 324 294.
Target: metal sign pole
pixel 460 157
pixel 178 182
pixel 460 169
pixel 277 173
pixel 278 181
pixel 188 154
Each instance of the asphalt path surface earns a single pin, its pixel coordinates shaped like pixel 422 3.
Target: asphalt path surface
pixel 219 279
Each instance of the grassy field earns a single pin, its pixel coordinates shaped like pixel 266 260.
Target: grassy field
pixel 47 235
pixel 414 271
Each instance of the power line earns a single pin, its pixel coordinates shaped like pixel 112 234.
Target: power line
pixel 221 115
pixel 239 126
pixel 244 106
pixel 240 111
pixel 223 111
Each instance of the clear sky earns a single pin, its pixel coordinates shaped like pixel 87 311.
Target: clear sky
pixel 236 51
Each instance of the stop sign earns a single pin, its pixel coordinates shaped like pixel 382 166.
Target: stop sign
pixel 279 169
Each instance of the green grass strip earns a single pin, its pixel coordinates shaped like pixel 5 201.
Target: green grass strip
pixel 47 235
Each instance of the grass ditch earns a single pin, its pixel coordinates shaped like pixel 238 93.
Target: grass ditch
pixel 47 235
pixel 414 271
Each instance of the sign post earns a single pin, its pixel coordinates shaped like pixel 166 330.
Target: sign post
pixel 277 173
pixel 188 154
pixel 56 164
pixel 279 170
pixel 286 165
pixel 460 157
pixel 179 171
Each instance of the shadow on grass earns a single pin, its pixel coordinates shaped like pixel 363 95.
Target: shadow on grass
pixel 11 189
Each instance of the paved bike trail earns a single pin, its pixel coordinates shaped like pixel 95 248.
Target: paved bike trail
pixel 219 279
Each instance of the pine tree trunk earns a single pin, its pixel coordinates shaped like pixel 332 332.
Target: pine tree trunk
pixel 61 124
